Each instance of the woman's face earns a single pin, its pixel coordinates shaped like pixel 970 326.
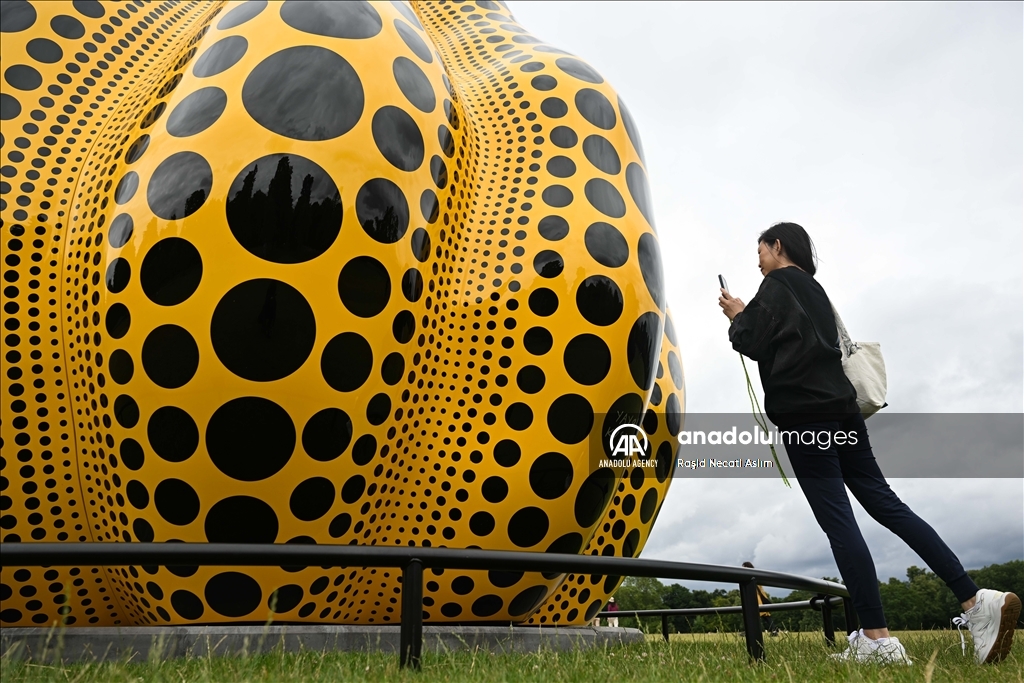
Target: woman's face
pixel 767 260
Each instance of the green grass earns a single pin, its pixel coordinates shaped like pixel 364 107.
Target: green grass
pixel 796 657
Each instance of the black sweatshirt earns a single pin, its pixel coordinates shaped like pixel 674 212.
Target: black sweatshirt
pixel 790 330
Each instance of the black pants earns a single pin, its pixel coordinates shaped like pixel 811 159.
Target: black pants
pixel 822 473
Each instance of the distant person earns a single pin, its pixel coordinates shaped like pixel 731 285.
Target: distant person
pixel 764 599
pixel 613 607
pixel 790 330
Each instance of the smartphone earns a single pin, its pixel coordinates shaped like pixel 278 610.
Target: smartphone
pixel 723 284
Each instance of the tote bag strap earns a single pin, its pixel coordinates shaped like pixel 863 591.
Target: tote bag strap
pixel 847 346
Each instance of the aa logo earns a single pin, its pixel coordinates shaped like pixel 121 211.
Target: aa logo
pixel 627 441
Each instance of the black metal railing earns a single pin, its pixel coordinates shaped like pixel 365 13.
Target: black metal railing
pixel 412 561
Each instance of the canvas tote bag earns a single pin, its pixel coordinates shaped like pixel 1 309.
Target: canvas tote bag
pixel 864 365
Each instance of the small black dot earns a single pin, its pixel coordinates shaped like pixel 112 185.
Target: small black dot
pixel 327 434
pixel 420 244
pixel 137 149
pixel 649 255
pixel 347 361
pixel 339 525
pixel 494 489
pixel 414 84
pixel 554 108
pixel 187 604
pixel 640 191
pixel 481 523
pixel 121 366
pixel 126 411
pixel 544 82
pixel 171 271
pixel 599 300
pixel 378 409
pixel 398 138
pixel 603 196
pixel 173 434
pixel 537 341
pixel 606 245
pixel 528 526
pixel 44 50
pixel 446 141
pixel 382 210
pixel 507 453
pixel 67 27
pixel 137 494
pixel 403 327
pixel 570 418
pixel 126 188
pixel 553 228
pixel 487 605
pixel 548 263
pixel 412 285
pixel 551 475
pixel 132 454
pixel 530 379
pixel 429 206
pixel 119 272
pixel 312 499
pixel 364 286
pixel 564 137
pixel 392 369
pixel 179 186
pixel 353 489
pixel 170 356
pixel 602 154
pixel 120 231
pixel 250 438
pixel 364 449
pixel 596 108
pixel 587 359
pixel 221 56
pixel 439 172
pixel 561 167
pixel 648 505
pixel 176 501
pixel 543 302
pixel 519 416
pixel 557 196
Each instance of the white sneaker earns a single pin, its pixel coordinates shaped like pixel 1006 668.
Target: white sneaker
pixel 991 623
pixel 864 650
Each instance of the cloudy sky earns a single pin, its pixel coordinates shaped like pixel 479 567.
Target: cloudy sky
pixel 893 133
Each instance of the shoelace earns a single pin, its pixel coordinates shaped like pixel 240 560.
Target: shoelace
pixel 960 622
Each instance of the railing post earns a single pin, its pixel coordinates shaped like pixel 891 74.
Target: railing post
pixel 851 616
pixel 752 620
pixel 664 626
pixel 826 618
pixel 411 639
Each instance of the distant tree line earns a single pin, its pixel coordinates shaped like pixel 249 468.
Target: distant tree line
pixel 922 601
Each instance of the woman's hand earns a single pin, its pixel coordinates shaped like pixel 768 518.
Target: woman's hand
pixel 731 306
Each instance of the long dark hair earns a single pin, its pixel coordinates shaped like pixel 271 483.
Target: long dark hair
pixel 795 242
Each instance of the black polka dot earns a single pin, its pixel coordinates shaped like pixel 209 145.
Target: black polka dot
pixel 631 130
pixel 137 494
pixel 153 115
pixel 445 139
pixel 564 137
pixel 132 454
pixel 89 8
pixel 197 112
pixel 420 244
pixel 353 489
pixel 554 107
pixel 403 327
pixel 119 272
pixel 528 527
pixel 120 231
pixel 121 366
pixel 553 228
pixel 675 369
pixel 593 496
pixel 352 20
pixel 44 50
pixel 241 14
pixel 596 108
pixel 663 462
pixel 119 319
pixel 557 196
pixel 284 208
pixel 527 600
pixel 304 93
pixel 221 56
pixel 263 330
pixel 327 434
pixel 532 66
pixel 241 519
pixel 382 210
pixel 599 300
pixel 451 609
pixel 347 362
pixel 530 379
pixel 364 286
pixel 137 149
pixel 462 585
pixel 187 605
pixel 414 84
pixel 392 369
pixel 126 411
pixel 537 341
pixel 519 416
pixel 364 449
pixel 649 255
pixel 339 525
pixel 176 501
pixel 173 434
pixel 143 531
pixel 578 69
pixel 126 188
pixel 398 138
pixel 494 490
pixel 507 453
pixel 587 359
pixel 378 409
pixel 312 499
pixel 673 414
pixel 171 271
pixel 250 438
pixel 568 544
pixel 643 348
pixel 67 27
pixel 179 186
pixel 23 77
pixel 487 605
pixel 551 475
pixel 670 328
pixel 233 594
pixel 602 154
pixel 543 302
pixel 548 263
pixel 285 598
pixel 648 505
pixel 439 172
pixel 603 196
pixel 561 167
pixel 413 40
pixel 627 409
pixel 170 356
pixel 606 245
pixel 16 16
pixel 640 191
pixel 570 418
pixel 429 207
pixel 9 107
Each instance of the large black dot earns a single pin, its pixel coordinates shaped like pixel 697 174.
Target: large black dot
pixel 543 301
pixel 179 186
pixel 126 411
pixel 16 16
pixel 558 196
pixel 551 475
pixel 119 272
pixel 649 255
pixel 241 519
pixel 221 56
pixel 170 356
pixel 603 196
pixel 420 243
pixel 537 341
pixel 403 327
pixel 137 494
pixel 415 43
pixel 487 605
pixel 519 416
pixel 564 137
pixel 353 489
pixel 285 598
pixel 439 172
pixel 643 348
pixel 187 604
pixel 593 496
pixel 553 228
pixel 118 320
pixel 494 489
pixel 378 409
pixel 241 14
pixel 446 141
pixel 587 359
pixel 304 93
pixel 599 300
pixel 176 501
pixel 197 112
pixel 351 20
pixel 648 505
pixel 392 369
pixel 527 600
pixel 544 82
pixel 233 594
pixel 126 188
pixel 602 154
pixel 347 361
pixel 9 107
pixel 44 50
pixel 530 379
pixel 137 149
pixel 67 27
pixel 606 245
pixel 171 271
pixel 631 130
pixel 284 208
pixel 548 263
pixel 640 191
pixel 23 77
pixel 263 330
pixel 312 499
pixel 481 523
pixel 250 438
pixel 398 138
pixel 382 210
pixel 578 69
pixel 570 418
pixel 120 231
pixel 364 449
pixel 90 8
pixel 675 369
pixel 528 527
pixel 339 525
pixel 173 434
pixel 121 366
pixel 364 286
pixel 507 453
pixel 554 108
pixel 561 167
pixel 568 544
pixel 626 409
pixel 414 84
pixel 132 454
pixel 596 108
pixel 327 434
pixel 143 530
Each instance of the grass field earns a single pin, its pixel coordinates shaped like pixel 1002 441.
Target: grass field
pixel 792 657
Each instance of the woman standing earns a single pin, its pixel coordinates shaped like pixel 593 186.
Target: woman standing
pixel 790 330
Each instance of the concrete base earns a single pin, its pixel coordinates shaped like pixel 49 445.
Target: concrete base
pixel 69 645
